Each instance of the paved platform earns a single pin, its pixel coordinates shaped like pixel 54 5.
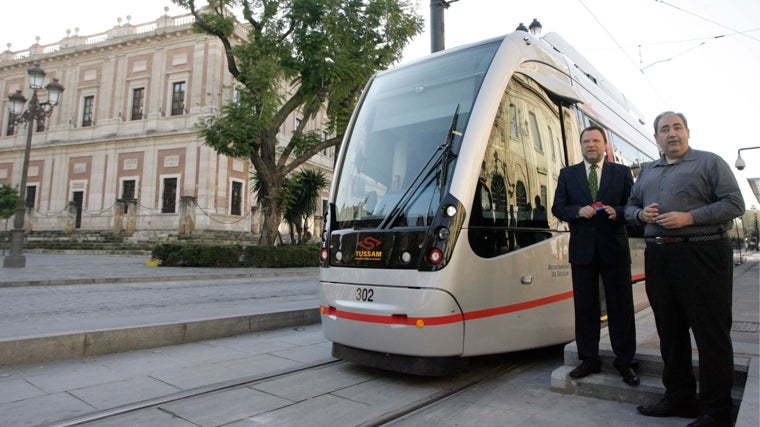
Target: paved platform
pixel 40 393
pixel 746 345
pixel 57 269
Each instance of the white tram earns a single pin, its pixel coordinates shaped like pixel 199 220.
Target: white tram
pixel 439 243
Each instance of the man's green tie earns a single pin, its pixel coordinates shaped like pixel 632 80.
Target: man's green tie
pixel 593 182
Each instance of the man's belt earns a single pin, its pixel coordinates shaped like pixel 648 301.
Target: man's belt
pixel 685 239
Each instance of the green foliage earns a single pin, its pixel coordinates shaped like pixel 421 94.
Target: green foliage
pixel 292 56
pixel 8 201
pixel 193 255
pixel 281 256
pixel 302 201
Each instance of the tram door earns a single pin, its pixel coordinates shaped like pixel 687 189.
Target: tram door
pixel 78 197
pixel 127 192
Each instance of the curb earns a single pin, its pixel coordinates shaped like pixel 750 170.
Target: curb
pixel 18 351
pixel 121 279
pixel 749 410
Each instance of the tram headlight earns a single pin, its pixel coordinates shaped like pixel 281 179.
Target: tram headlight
pixel 406 257
pixel 338 256
pixel 450 210
pixel 443 233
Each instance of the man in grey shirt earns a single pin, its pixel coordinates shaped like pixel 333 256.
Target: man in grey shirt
pixel 687 200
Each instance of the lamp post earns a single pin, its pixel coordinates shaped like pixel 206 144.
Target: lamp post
pixel 437 36
pixel 36 113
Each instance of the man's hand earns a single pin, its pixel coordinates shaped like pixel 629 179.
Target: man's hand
pixel 674 219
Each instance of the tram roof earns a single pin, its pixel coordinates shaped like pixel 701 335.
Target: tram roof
pixel 555 45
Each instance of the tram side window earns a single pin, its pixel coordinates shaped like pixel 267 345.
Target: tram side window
pixel 626 154
pixel 518 173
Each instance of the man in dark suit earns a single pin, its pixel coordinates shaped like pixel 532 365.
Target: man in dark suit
pixel 591 197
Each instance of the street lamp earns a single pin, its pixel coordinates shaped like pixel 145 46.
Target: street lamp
pixel 37 112
pixel 740 163
pixel 535 27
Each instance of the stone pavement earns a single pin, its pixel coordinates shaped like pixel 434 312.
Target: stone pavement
pixel 39 393
pixel 746 345
pixel 85 323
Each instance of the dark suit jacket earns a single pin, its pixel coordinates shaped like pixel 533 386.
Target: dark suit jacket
pixel 599 234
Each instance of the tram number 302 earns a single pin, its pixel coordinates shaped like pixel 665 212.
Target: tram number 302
pixel 364 294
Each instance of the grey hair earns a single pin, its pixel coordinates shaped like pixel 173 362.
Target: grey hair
pixel 669 113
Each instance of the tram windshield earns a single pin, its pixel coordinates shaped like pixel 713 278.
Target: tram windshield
pixel 402 140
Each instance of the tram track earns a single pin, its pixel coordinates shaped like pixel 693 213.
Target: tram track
pixel 418 407
pixel 186 394
pixel 437 391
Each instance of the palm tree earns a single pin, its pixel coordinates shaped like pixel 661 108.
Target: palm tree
pixel 302 202
pixel 299 198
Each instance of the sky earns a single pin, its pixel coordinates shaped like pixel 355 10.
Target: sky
pixel 698 57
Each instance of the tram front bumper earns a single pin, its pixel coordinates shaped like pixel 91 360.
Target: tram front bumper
pixel 397 320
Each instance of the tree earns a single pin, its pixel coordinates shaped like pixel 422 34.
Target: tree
pixel 302 192
pixel 296 56
pixel 8 202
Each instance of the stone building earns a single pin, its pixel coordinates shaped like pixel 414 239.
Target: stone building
pixel 121 151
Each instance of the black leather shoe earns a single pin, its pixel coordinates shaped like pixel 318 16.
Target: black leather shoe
pixel 703 421
pixel 629 377
pixel 584 369
pixel 667 408
pixel 707 420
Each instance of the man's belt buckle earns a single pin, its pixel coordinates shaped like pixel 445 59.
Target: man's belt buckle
pixel 660 240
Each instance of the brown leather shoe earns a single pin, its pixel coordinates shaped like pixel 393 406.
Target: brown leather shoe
pixel 584 369
pixel 667 408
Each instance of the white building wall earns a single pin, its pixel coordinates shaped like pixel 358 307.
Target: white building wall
pixel 110 68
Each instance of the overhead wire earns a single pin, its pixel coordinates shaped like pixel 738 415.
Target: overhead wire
pixel 608 32
pixel 649 82
pixel 703 40
pixel 698 39
pixel 672 57
pixel 708 20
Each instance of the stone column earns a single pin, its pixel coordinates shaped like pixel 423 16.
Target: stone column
pixel 186 215
pixel 28 220
pixel 255 226
pixel 131 216
pixel 71 218
pixel 118 216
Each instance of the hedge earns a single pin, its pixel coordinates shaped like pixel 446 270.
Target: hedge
pixel 194 255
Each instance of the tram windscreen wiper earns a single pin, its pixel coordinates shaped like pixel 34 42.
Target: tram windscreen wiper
pixel 438 162
pixel 447 154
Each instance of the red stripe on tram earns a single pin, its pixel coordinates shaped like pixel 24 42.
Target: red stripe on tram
pixel 443 320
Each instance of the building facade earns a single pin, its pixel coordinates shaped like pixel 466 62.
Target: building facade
pixel 121 151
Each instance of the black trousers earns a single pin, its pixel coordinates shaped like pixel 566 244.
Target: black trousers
pixel 690 285
pixel 619 299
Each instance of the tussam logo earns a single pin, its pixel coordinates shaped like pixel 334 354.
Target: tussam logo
pixel 369 252
pixel 369 243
